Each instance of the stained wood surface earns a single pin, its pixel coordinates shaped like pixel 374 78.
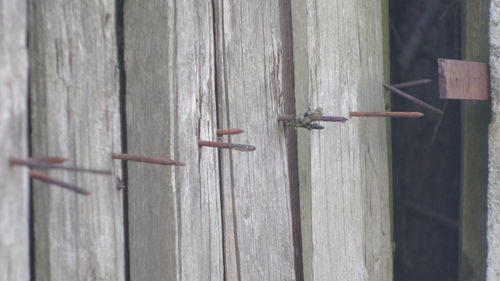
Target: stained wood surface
pixel 251 77
pixel 344 178
pixel 14 189
pixel 175 226
pixel 475 116
pixel 493 223
pixel 463 80
pixel 75 114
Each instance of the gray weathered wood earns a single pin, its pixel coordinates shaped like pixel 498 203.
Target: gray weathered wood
pixel 175 225
pixel 75 114
pixel 338 58
pixel 250 81
pixel 493 223
pixel 14 199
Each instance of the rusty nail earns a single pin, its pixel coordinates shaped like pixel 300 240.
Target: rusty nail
pixel 229 131
pixel 411 83
pixel 220 144
pixel 413 99
pixel 50 159
pixel 314 118
pixel 388 114
pixel 45 178
pixel 144 159
pixel 44 165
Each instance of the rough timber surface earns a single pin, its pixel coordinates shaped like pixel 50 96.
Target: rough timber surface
pixel 14 198
pixel 338 58
pixel 493 224
pixel 75 114
pixel 256 201
pixel 175 225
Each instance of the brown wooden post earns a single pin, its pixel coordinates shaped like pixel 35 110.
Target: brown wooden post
pixel 344 176
pixel 14 188
pixel 75 114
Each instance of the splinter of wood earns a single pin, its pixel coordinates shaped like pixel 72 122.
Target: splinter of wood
pixel 44 165
pixel 144 159
pixel 221 132
pixel 50 159
pixel 45 178
pixel 388 114
pixel 314 118
pixel 220 144
pixel 463 80
pixel 411 83
pixel 413 99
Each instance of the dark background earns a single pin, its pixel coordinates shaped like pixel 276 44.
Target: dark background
pixel 426 151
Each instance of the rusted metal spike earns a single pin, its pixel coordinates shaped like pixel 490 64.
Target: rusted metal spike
pixel 388 114
pixel 413 99
pixel 411 83
pixel 220 144
pixel 314 118
pixel 44 165
pixel 229 131
pixel 50 159
pixel 45 178
pixel 144 159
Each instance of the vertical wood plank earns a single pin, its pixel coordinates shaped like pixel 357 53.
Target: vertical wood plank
pixel 338 57
pixel 75 114
pixel 251 82
pixel 175 225
pixel 475 117
pixel 493 195
pixel 14 191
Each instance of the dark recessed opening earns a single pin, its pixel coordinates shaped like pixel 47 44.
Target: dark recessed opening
pixel 426 151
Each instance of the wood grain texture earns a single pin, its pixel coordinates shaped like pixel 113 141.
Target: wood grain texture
pixel 14 189
pixel 464 80
pixel 175 224
pixel 475 116
pixel 75 114
pixel 338 58
pixel 256 201
pixel 493 222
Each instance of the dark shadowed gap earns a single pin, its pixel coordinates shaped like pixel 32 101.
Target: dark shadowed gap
pixel 120 41
pixel 426 170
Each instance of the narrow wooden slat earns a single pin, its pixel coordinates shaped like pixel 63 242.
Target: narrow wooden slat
pixel 75 113
pixel 175 226
pixel 14 191
pixel 464 80
pixel 338 59
pixel 258 237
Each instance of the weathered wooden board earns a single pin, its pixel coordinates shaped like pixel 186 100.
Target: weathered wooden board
pixel 463 80
pixel 258 239
pixel 14 195
pixel 493 222
pixel 475 116
pixel 338 58
pixel 175 224
pixel 75 113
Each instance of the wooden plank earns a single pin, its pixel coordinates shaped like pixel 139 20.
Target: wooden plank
pixel 14 189
pixel 251 81
pixel 175 225
pixel 475 117
pixel 75 114
pixel 463 80
pixel 338 58
pixel 493 195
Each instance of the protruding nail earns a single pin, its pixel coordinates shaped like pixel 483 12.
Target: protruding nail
pixel 229 131
pixel 50 159
pixel 44 165
pixel 314 118
pixel 413 99
pixel 411 83
pixel 144 159
pixel 220 144
pixel 45 178
pixel 388 114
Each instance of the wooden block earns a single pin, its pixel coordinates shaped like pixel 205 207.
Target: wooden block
pixel 463 80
